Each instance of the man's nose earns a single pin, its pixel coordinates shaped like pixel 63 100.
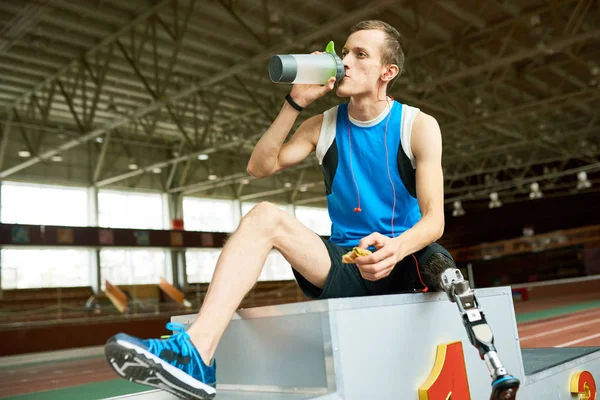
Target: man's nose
pixel 345 61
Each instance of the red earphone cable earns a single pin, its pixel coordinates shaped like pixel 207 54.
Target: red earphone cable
pixel 357 209
pixel 387 163
pixel 426 289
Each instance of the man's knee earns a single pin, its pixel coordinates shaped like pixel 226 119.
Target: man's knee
pixel 264 215
pixel 433 268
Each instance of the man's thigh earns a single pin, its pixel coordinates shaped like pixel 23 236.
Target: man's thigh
pixel 344 280
pixel 303 249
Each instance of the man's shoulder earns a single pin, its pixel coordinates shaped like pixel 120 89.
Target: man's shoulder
pixel 419 117
pixel 419 113
pixel 426 134
pixel 423 120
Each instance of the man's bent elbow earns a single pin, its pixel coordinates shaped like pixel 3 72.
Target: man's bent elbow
pixel 436 227
pixel 254 172
pixel 257 172
pixel 439 232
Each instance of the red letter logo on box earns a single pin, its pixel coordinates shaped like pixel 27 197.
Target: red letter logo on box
pixel 583 383
pixel 448 380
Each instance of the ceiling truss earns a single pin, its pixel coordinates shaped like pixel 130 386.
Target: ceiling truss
pixel 514 85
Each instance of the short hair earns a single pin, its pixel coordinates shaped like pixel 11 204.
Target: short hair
pixel 393 50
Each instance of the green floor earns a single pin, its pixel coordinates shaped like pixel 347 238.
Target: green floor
pixel 42 363
pixel 557 311
pixel 119 387
pixel 91 391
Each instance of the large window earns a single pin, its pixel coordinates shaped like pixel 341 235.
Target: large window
pixel 316 219
pixel 201 263
pixel 26 203
pixel 130 210
pixel 276 268
pixel 24 268
pixel 43 205
pixel 208 215
pixel 128 267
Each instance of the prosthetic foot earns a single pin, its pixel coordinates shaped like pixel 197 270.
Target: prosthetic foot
pixel 504 385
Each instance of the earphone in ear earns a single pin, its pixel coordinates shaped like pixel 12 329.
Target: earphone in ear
pixel 384 77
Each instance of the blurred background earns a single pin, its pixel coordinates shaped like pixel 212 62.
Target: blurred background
pixel 126 128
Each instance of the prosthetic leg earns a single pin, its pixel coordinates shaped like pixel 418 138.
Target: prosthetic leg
pixel 504 385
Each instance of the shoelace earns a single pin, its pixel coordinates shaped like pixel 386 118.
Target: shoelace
pixel 178 343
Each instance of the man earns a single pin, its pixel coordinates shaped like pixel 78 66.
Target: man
pixel 381 161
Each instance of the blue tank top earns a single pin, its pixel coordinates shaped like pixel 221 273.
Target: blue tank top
pixel 361 157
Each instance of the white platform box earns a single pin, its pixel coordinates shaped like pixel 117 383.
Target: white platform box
pixel 380 347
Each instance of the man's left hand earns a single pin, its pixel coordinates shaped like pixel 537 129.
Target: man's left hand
pixel 380 263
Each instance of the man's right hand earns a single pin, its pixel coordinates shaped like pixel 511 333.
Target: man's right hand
pixel 304 95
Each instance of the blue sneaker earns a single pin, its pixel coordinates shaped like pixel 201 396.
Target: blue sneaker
pixel 171 364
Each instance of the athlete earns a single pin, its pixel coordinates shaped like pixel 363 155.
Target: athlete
pixel 382 167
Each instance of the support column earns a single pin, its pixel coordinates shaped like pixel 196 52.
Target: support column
pixel 471 276
pixel 95 271
pixel 176 265
pixel 3 146
pixel 181 277
pixel 237 211
pixel 94 256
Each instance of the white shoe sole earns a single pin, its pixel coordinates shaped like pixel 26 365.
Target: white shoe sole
pixel 139 365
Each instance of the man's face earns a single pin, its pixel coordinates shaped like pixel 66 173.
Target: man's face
pixel 362 60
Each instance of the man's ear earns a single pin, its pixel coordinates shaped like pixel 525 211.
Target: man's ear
pixel 390 73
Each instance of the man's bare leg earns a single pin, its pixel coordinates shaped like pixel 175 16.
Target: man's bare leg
pixel 265 227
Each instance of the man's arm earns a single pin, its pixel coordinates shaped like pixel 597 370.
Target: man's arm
pixel 426 145
pixel 271 155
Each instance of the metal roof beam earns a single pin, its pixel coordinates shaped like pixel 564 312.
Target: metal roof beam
pixel 345 19
pixel 109 39
pixel 557 45
pixel 463 14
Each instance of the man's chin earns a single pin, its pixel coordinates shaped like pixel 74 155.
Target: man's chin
pixel 343 92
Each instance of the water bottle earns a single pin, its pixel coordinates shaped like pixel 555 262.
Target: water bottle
pixel 307 68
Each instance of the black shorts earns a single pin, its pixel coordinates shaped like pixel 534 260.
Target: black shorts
pixel 344 280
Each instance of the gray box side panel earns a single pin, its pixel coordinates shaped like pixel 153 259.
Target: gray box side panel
pixel 389 352
pixel 285 351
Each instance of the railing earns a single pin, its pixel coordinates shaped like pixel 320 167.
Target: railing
pixel 62 304
pixel 531 244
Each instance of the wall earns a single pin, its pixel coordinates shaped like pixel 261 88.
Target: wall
pixel 482 224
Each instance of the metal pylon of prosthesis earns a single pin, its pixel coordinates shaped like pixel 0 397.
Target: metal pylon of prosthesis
pixel 504 385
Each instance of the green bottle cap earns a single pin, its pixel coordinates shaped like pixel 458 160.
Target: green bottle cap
pixel 339 71
pixel 330 48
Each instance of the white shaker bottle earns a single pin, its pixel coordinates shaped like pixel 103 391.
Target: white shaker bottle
pixel 307 68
